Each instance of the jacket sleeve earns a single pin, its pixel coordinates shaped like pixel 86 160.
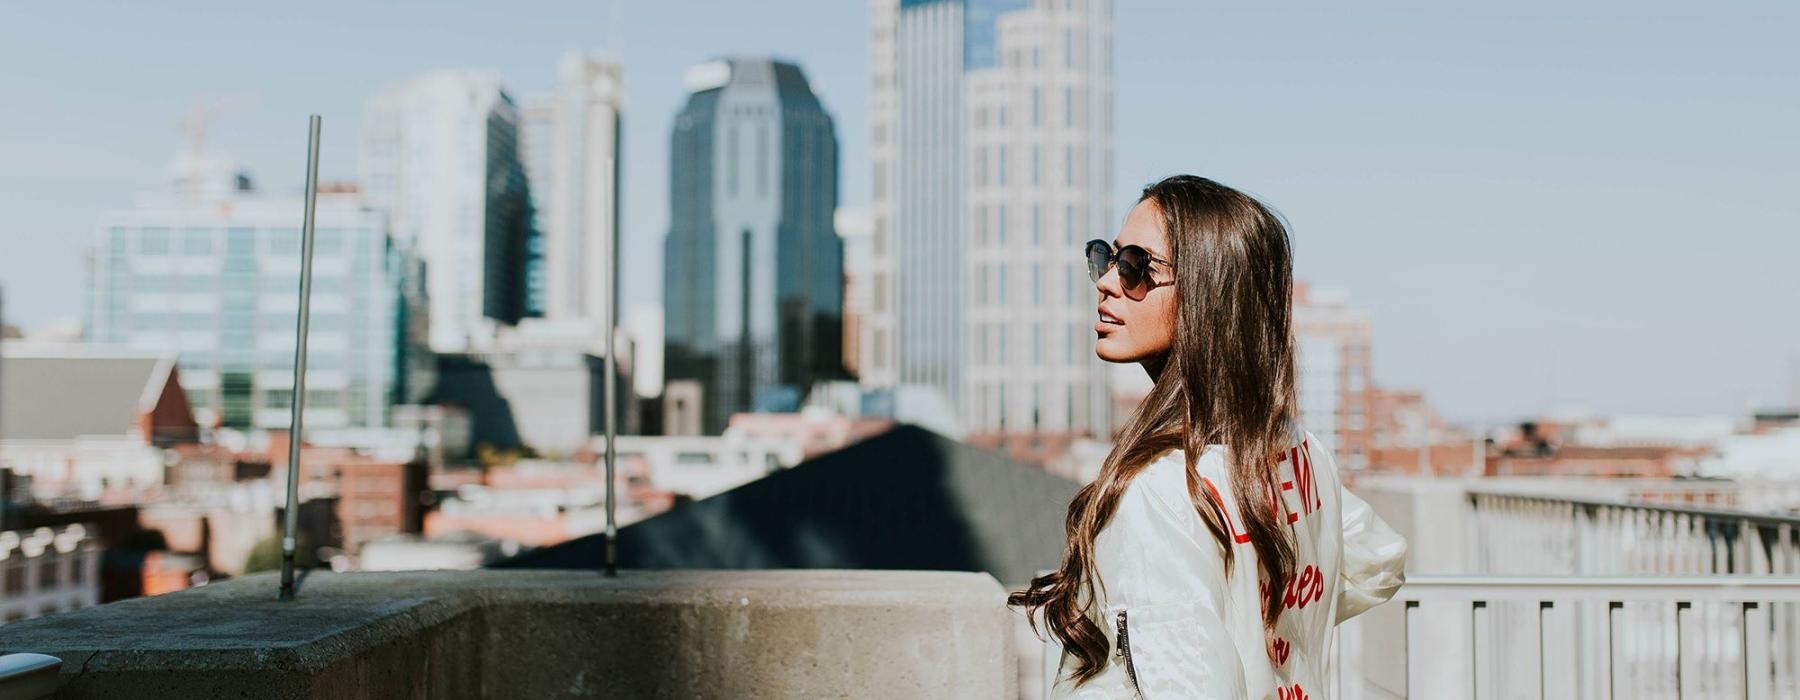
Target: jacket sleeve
pixel 1174 594
pixel 1374 563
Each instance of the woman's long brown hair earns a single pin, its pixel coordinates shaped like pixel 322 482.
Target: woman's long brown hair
pixel 1228 379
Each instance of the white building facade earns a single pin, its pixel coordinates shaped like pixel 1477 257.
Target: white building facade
pixel 209 269
pixel 992 151
pixel 439 155
pixel 571 148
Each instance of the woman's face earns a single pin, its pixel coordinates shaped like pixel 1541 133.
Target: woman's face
pixel 1131 329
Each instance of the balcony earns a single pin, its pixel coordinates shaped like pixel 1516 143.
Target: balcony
pixel 1643 601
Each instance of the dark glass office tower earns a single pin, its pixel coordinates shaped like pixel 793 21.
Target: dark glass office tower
pixel 753 268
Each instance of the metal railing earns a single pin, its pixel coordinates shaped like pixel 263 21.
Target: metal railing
pixel 1544 534
pixel 1554 637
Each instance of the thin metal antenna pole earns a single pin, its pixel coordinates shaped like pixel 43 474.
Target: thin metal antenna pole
pixel 292 520
pixel 611 394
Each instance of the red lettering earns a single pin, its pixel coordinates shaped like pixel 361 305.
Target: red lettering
pixel 1303 479
pixel 1294 693
pixel 1282 649
pixel 1219 501
pixel 1301 590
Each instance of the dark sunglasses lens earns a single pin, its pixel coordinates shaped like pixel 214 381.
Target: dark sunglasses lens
pixel 1099 257
pixel 1134 267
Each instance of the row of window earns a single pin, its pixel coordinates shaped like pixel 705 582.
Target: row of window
pixel 1074 105
pixel 990 284
pixel 49 571
pixel 153 241
pixel 992 410
pixel 989 344
pixel 994 172
pixel 991 226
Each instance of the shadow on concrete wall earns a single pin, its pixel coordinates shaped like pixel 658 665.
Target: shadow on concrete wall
pixel 905 499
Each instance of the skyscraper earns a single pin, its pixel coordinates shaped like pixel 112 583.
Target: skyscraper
pixel 439 155
pixel 992 155
pixel 571 147
pixel 753 270
pixel 208 268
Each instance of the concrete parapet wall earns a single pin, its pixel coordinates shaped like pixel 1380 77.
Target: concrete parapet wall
pixel 544 634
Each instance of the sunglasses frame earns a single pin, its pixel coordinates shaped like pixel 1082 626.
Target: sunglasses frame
pixel 1143 285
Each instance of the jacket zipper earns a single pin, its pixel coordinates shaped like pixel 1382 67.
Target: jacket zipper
pixel 1125 653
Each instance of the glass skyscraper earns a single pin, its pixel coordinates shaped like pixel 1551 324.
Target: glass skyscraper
pixel 753 276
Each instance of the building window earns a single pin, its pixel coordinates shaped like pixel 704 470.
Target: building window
pixel 1069 224
pixel 981 167
pixel 1037 222
pixel 1068 48
pixel 1036 164
pixel 1001 422
pixel 1001 295
pixel 1037 349
pixel 328 241
pixel 1037 287
pixel 981 224
pixel 1037 57
pixel 1000 227
pixel 1000 177
pixel 153 241
pixel 46 573
pixel 1002 109
pixel 1068 106
pixel 1069 164
pixel 197 241
pixel 278 398
pixel 284 242
pixel 1037 117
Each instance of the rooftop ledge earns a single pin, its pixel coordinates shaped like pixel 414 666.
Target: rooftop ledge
pixel 524 633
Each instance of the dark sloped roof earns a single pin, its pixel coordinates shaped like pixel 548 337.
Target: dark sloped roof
pixel 904 499
pixel 58 398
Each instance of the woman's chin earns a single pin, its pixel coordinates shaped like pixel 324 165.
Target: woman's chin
pixel 1114 349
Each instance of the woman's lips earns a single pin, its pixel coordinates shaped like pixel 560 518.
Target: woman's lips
pixel 1107 322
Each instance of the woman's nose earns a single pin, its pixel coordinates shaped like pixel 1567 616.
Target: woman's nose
pixel 1108 284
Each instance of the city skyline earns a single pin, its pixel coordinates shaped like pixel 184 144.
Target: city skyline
pixel 1399 145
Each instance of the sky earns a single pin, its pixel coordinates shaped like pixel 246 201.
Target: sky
pixel 1543 206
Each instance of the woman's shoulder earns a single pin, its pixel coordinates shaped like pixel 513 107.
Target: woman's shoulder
pixel 1164 479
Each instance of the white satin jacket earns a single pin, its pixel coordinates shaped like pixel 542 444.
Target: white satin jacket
pixel 1181 628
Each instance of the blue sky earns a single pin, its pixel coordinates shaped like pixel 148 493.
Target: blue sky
pixel 1542 204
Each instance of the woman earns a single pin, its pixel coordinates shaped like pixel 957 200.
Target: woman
pixel 1216 549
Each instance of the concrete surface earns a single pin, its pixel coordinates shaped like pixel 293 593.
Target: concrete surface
pixel 532 634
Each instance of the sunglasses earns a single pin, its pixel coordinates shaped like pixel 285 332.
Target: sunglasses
pixel 1133 263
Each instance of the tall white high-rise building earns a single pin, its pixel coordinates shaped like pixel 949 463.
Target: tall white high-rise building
pixel 992 128
pixel 571 149
pixel 439 155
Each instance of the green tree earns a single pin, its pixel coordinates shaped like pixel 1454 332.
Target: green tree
pixel 266 555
